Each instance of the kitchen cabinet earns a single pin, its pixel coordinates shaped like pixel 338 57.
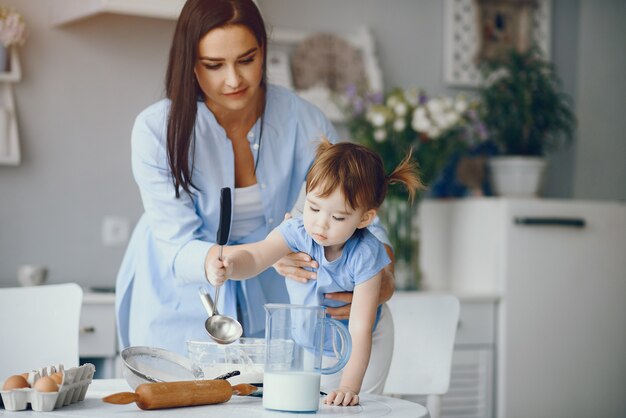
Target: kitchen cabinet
pixel 9 138
pixel 97 341
pixel 471 392
pixel 559 268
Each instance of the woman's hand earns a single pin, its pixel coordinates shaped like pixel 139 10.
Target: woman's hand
pixel 292 267
pixel 387 287
pixel 217 271
pixel 342 397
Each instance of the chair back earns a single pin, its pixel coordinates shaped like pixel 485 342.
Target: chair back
pixel 40 327
pixel 425 328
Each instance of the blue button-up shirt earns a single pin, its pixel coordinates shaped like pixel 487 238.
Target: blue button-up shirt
pixel 157 299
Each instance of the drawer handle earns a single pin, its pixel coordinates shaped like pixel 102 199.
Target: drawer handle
pixel 458 324
pixel 88 330
pixel 539 221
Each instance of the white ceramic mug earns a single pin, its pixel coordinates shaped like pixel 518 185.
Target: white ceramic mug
pixel 31 275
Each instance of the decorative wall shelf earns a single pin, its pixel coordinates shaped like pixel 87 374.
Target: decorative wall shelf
pixel 63 12
pixel 9 137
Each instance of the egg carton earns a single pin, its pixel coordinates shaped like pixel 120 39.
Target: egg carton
pixel 72 389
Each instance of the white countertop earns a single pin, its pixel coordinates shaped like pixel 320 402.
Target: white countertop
pixel 371 406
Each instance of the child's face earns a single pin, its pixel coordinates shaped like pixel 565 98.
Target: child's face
pixel 330 221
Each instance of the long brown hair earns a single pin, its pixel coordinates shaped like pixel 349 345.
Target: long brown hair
pixel 197 18
pixel 360 174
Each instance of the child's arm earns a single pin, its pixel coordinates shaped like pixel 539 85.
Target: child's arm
pixel 245 260
pixel 362 318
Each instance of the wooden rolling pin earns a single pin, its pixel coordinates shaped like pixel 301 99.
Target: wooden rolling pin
pixel 178 394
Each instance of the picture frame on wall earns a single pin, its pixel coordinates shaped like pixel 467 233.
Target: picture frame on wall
pixel 464 45
pixel 502 25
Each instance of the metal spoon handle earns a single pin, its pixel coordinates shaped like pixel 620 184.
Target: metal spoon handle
pixel 206 300
pixel 217 288
pixel 217 292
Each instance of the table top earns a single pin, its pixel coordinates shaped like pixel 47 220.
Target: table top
pixel 238 406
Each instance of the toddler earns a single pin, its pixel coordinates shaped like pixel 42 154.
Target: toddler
pixel 345 186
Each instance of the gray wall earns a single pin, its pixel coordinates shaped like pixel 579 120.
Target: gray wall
pixel 601 150
pixel 82 87
pixel 84 83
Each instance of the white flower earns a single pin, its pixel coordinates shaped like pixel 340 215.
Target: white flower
pixel 461 105
pixel 377 119
pixel 433 132
pixel 392 101
pixel 399 125
pixel 380 135
pixel 420 122
pixel 400 109
pixel 439 117
pixel 450 119
pixel 412 97
pixel 435 107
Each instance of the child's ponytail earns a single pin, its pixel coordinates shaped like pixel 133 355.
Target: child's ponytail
pixel 406 173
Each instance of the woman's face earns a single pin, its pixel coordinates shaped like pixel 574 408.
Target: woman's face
pixel 229 68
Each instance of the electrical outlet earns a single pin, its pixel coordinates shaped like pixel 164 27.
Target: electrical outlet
pixel 115 231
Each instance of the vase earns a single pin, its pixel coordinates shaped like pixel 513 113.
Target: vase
pixel 399 217
pixel 517 176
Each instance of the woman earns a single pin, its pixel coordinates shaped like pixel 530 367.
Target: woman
pixel 221 125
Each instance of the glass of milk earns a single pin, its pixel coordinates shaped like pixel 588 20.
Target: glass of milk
pixel 296 339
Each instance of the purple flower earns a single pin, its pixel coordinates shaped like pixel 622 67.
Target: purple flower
pixel 358 106
pixel 481 130
pixel 351 91
pixel 375 98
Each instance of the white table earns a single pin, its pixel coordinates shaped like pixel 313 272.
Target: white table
pixel 239 406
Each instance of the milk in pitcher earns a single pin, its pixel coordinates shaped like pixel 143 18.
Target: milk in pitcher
pixel 291 391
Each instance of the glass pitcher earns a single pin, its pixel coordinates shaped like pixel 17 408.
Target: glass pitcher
pixel 297 338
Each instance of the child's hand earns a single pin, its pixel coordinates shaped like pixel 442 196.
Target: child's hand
pixel 217 272
pixel 342 397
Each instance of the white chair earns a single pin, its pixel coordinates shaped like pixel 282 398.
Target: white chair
pixel 425 328
pixel 40 327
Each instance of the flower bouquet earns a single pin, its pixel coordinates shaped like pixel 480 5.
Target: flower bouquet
pixel 12 27
pixel 432 128
pixel 12 32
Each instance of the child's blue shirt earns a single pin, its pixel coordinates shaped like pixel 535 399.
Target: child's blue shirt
pixel 363 256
